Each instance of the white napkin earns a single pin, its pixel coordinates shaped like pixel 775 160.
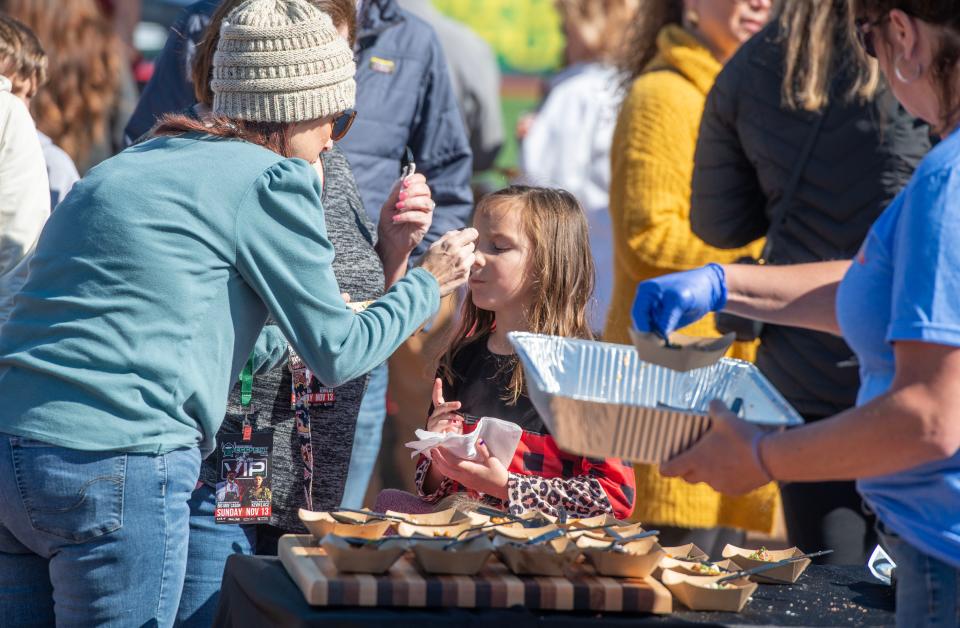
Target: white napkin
pixel 501 438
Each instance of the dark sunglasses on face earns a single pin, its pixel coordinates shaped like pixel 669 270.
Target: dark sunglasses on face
pixel 342 123
pixel 866 34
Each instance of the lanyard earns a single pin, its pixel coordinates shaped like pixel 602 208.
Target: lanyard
pixel 246 396
pixel 246 384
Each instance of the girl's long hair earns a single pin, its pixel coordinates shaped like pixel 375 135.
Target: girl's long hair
pixel 819 37
pixel 84 56
pixel 561 271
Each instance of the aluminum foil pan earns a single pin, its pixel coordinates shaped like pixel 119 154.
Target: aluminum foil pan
pixel 599 399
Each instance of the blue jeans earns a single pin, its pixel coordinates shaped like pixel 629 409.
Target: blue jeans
pixel 366 439
pixel 92 538
pixel 928 590
pixel 210 546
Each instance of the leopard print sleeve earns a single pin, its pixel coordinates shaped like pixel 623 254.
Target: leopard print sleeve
pixel 580 496
pixel 447 486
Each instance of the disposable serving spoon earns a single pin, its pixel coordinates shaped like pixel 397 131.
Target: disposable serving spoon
pixel 629 539
pixel 762 568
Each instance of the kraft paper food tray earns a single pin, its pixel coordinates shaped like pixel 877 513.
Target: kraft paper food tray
pixel 785 574
pixel 696 595
pixel 463 559
pixel 320 524
pixel 600 400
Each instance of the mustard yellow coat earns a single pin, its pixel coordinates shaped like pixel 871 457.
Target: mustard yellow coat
pixel 652 166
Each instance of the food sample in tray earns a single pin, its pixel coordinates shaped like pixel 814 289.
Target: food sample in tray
pixel 449 531
pixel 351 555
pixel 634 559
pixel 551 558
pixel 704 593
pixel 520 533
pixel 457 558
pixel 441 517
pixel 750 558
pixel 320 524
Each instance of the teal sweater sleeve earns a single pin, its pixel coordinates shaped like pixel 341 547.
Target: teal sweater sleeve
pixel 283 253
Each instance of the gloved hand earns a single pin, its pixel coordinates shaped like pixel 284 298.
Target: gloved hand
pixel 665 304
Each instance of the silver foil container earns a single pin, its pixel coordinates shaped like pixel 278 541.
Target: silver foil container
pixel 600 400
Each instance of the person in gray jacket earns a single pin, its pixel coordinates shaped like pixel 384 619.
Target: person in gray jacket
pixel 799 142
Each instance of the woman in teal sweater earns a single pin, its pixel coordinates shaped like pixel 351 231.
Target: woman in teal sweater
pixel 146 294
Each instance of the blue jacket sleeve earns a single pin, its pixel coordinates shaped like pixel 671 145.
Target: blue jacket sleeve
pixel 442 150
pixel 170 89
pixel 283 254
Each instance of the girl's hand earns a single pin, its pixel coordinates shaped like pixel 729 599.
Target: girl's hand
pixel 723 458
pixel 450 259
pixel 444 418
pixel 405 217
pixel 486 475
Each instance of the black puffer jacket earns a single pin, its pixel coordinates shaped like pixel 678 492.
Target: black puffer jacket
pixel 747 149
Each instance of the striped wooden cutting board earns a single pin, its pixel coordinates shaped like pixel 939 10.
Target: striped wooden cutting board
pixel 494 587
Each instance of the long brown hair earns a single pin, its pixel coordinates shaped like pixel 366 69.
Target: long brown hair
pixel 601 24
pixel 944 68
pixel 341 12
pixel 561 267
pixel 817 37
pixel 85 56
pixel 641 41
pixel 272 135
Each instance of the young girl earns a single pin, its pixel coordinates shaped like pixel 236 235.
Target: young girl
pixel 534 272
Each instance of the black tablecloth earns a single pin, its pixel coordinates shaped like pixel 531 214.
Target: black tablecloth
pixel 257 592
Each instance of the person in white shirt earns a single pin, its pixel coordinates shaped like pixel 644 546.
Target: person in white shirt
pixel 567 144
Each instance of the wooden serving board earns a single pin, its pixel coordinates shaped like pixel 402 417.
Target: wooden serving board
pixel 494 587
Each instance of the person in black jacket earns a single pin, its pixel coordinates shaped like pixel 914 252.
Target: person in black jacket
pixel 803 80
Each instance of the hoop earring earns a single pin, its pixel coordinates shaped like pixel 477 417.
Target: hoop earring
pixel 899 73
pixel 692 18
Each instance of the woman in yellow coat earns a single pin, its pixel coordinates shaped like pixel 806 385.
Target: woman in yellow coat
pixel 676 52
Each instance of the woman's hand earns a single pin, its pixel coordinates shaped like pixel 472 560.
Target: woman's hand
pixel 486 475
pixel 723 458
pixel 665 304
pixel 450 259
pixel 444 418
pixel 405 217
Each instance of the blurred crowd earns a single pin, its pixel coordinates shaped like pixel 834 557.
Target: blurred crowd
pixel 688 133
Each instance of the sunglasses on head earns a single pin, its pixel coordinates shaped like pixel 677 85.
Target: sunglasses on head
pixel 866 34
pixel 342 123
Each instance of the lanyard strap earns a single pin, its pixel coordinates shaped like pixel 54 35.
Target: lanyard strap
pixel 246 383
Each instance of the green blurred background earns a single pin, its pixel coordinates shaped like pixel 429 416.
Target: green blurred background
pixel 529 43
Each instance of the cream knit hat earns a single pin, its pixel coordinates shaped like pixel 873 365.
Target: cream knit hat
pixel 281 61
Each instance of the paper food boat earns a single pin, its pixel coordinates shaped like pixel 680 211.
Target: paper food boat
pixel 636 559
pixel 376 558
pixel 439 518
pixel 516 532
pixel 785 574
pixel 450 531
pixel 320 524
pixel 696 594
pixel 673 558
pixel 600 400
pixel 463 559
pixel 544 559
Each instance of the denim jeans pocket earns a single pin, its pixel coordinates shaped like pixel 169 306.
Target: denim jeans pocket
pixel 67 493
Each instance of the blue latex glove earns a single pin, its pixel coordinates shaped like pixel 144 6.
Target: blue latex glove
pixel 665 304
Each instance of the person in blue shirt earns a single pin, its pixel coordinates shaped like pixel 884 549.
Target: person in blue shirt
pixel 405 97
pixel 897 304
pixel 147 292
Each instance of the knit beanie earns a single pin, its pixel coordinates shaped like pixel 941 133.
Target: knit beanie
pixel 281 61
